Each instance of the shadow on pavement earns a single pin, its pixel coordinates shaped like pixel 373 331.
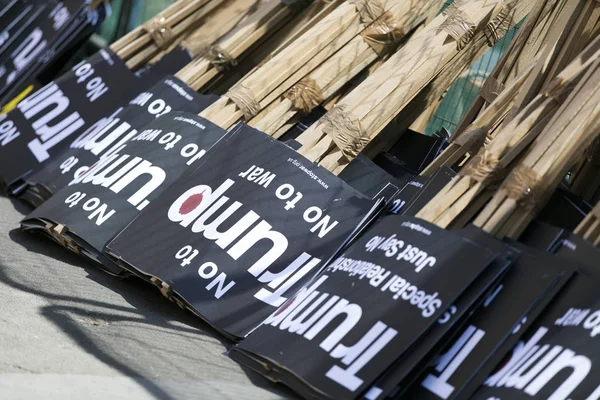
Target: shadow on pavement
pixel 149 308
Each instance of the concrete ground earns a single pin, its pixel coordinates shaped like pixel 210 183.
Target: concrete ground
pixel 69 331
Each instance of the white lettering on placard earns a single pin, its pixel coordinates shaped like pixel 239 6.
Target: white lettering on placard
pixel 575 316
pixel 60 15
pixel 392 247
pixel 110 135
pixel 400 287
pixel 45 109
pixel 396 206
pixel 449 362
pixel 532 366
pixel 201 204
pixel 207 270
pixel 94 206
pixel 322 224
pixel 95 86
pixel 109 173
pixel 27 51
pixel 8 130
pixel 4 37
pixel 310 312
pixel 258 175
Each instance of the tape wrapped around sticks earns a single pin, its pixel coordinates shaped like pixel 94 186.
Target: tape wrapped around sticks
pixel 245 100
pixel 305 95
pixel 220 58
pixel 524 186
pixel 368 10
pixel 160 33
pixel 498 27
pixel 491 89
pixel 457 25
pixel 59 232
pixel 164 288
pixel 345 130
pixel 485 168
pixel 383 33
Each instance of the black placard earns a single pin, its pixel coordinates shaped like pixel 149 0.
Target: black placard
pixel 559 358
pixel 41 125
pixel 366 177
pixel 15 20
pixel 533 281
pixel 419 191
pixel 386 291
pixel 244 231
pixel 409 367
pixel 432 187
pixel 34 40
pixel 398 204
pixel 168 64
pixel 528 287
pixel 101 201
pixel 584 253
pixel 564 209
pixel 543 236
pixel 77 30
pixel 111 132
pixel 411 153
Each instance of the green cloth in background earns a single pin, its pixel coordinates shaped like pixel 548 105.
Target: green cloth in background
pixel 143 10
pixel 139 12
pixel 109 26
pixel 462 93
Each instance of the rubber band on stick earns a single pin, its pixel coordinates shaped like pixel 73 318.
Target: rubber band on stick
pixel 345 130
pixel 160 33
pixel 305 95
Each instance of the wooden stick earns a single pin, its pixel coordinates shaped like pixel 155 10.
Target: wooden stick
pixel 256 24
pixel 482 172
pixel 481 126
pixel 560 145
pixel 338 70
pixel 527 91
pixel 552 54
pixel 273 78
pixel 589 228
pixel 396 83
pixel 214 26
pixel 154 48
pixel 525 45
pixel 139 31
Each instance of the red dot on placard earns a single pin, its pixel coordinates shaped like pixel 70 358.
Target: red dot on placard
pixel 286 305
pixel 191 203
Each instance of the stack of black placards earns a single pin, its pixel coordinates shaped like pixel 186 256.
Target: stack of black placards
pixel 109 175
pixel 44 121
pixel 36 34
pixel 413 311
pixel 236 237
pixel 39 127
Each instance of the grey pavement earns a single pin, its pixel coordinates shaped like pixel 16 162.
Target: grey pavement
pixel 69 331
